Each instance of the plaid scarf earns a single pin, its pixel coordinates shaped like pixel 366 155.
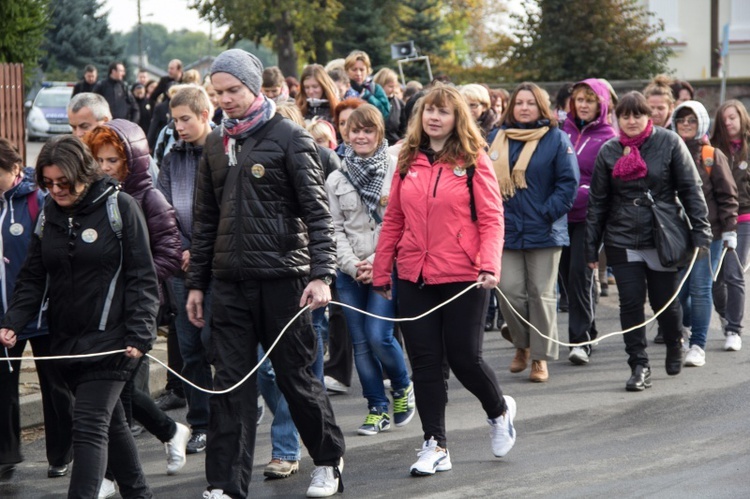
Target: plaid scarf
pixel 232 129
pixel 367 174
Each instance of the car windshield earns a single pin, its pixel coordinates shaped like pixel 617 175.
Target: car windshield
pixel 53 99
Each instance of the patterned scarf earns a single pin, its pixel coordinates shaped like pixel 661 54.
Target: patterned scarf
pixel 367 174
pixel 500 149
pixel 631 165
pixel 232 130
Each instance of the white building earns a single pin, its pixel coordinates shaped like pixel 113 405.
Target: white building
pixel 688 24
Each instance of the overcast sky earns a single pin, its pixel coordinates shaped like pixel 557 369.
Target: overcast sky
pixel 174 14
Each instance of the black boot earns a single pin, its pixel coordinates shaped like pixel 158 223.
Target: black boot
pixel 674 359
pixel 639 380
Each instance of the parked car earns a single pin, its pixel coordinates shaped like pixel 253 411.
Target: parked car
pixel 47 114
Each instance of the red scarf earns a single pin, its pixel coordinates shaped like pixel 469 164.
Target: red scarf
pixel 631 165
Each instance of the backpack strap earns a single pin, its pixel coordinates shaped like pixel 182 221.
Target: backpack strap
pixel 115 221
pixel 32 202
pixel 707 156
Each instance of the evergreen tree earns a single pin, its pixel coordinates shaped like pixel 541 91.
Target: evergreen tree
pixel 79 35
pixel 564 40
pixel 22 27
pixel 363 26
pixel 422 21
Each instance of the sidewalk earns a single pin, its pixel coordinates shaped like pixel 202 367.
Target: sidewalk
pixel 31 399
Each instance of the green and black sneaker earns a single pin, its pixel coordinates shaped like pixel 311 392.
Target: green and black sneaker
pixel 376 421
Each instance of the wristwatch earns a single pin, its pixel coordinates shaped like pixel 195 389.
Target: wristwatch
pixel 327 279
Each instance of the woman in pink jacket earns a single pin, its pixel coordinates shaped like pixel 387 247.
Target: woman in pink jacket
pixel 444 224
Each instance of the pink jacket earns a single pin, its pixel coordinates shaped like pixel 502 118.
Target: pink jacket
pixel 428 227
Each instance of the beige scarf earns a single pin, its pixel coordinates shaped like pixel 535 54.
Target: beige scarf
pixel 500 155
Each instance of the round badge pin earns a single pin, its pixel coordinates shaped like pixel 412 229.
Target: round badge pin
pixel 743 165
pixel 709 162
pixel 89 235
pixel 258 170
pixel 384 200
pixel 626 151
pixel 16 229
pixel 494 155
pixel 459 172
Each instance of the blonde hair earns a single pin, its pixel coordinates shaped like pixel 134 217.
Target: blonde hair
pixel 385 76
pixel 357 55
pixel 191 76
pixel 465 142
pixel 321 129
pixel 290 111
pixel 476 93
pixel 660 86
pixel 196 98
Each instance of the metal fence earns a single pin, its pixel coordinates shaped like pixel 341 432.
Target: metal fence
pixel 12 122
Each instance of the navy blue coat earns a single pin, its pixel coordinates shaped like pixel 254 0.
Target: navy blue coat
pixel 536 217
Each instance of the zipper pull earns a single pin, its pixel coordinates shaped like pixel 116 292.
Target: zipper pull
pixel 70 226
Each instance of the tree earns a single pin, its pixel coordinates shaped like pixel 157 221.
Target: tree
pixel 22 27
pixel 564 40
pixel 79 35
pixel 423 22
pixel 285 22
pixel 363 26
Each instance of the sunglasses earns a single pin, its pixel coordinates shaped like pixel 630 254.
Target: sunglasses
pixel 686 121
pixel 62 184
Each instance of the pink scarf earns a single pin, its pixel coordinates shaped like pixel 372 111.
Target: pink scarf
pixel 260 111
pixel 631 166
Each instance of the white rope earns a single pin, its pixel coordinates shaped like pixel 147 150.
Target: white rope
pixel 390 319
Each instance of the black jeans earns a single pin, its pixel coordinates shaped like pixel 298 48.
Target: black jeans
pixel 340 350
pixel 243 314
pixel 57 403
pixel 578 279
pixel 454 332
pixel 100 435
pixel 634 280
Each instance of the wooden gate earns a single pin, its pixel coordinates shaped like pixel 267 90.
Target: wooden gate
pixel 12 120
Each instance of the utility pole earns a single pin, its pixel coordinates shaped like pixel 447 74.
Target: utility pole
pixel 140 38
pixel 715 63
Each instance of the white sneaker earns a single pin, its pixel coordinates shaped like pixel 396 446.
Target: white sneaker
pixel 326 481
pixel 578 356
pixel 215 494
pixel 502 430
pixel 733 342
pixel 695 357
pixel 175 449
pixel 334 385
pixel 107 489
pixel 431 459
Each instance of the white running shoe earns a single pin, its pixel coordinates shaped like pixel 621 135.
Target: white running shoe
pixel 431 459
pixel 695 357
pixel 326 481
pixel 107 489
pixel 176 448
pixel 733 342
pixel 215 494
pixel 334 385
pixel 502 430
pixel 578 356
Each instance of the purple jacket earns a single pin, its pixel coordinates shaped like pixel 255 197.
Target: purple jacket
pixel 164 237
pixel 586 143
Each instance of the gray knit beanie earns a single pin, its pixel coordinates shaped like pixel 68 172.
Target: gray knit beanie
pixel 242 65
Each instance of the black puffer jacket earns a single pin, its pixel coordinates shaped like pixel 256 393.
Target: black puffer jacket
pixel 273 223
pixel 80 254
pixel 616 212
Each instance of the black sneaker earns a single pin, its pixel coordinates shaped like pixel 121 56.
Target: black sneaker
pixel 170 400
pixel 197 443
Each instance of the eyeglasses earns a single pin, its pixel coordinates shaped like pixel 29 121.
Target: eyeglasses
pixel 62 184
pixel 686 121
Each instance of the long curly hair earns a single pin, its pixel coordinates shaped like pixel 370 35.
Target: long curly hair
pixel 465 142
pixel 721 138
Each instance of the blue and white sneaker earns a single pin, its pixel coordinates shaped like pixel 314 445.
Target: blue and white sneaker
pixel 431 459
pixel 502 431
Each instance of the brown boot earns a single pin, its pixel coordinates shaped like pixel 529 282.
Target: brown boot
pixel 520 361
pixel 539 373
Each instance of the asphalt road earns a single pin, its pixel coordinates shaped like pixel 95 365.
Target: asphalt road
pixel 579 435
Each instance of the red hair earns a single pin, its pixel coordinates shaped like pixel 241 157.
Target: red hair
pixel 104 136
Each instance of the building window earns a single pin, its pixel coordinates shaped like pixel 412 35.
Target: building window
pixel 669 12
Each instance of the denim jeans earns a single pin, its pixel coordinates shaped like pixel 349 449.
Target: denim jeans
pixel 374 346
pixel 695 295
pixel 284 436
pixel 194 343
pixel 729 289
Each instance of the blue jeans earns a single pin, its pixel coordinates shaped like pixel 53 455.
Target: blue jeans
pixel 284 435
pixel 695 295
pixel 194 343
pixel 374 346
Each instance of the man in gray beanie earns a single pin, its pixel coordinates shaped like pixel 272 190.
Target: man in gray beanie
pixel 263 241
